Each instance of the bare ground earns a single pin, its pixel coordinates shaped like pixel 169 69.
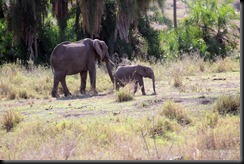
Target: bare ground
pixel 196 93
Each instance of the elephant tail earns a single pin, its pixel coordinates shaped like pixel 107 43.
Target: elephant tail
pixel 51 63
pixel 121 83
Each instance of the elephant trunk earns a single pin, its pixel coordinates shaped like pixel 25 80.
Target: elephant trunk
pixel 153 81
pixel 109 68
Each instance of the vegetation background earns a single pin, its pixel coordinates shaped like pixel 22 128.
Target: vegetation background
pixel 133 29
pixel 192 46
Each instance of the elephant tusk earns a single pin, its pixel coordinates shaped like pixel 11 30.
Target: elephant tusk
pixel 111 62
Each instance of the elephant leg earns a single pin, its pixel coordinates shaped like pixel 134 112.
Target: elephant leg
pixel 117 85
pixel 83 76
pixel 66 90
pixel 135 87
pixel 141 83
pixel 92 75
pixel 55 87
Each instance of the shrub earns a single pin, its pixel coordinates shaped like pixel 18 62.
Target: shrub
pixel 125 94
pixel 176 72
pixel 225 134
pixel 10 119
pixel 225 65
pixel 175 111
pixel 162 126
pixel 23 94
pixel 212 119
pixel 227 104
pixel 209 33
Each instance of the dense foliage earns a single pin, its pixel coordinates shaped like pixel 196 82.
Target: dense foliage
pixel 209 29
pixel 30 29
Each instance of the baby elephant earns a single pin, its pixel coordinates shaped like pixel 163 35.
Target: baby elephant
pixel 128 73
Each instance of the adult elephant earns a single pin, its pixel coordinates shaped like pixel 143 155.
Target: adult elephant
pixel 70 58
pixel 133 73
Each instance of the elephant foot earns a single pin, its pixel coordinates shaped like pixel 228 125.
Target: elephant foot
pixel 67 94
pixel 94 92
pixel 82 91
pixel 54 94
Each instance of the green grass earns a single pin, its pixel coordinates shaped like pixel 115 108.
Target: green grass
pixel 150 127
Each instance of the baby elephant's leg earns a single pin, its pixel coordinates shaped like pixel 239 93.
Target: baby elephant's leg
pixel 135 87
pixel 141 83
pixel 117 85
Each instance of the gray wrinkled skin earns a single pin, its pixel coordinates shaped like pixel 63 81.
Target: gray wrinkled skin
pixel 70 58
pixel 133 73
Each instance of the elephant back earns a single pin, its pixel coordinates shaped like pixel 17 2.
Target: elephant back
pixel 125 71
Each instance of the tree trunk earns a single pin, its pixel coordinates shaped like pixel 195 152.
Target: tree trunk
pixel 175 17
pixel 36 50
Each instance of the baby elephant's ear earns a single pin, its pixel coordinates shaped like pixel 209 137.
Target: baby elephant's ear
pixel 100 47
pixel 141 70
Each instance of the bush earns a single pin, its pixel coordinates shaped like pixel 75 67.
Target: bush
pixel 10 119
pixel 152 38
pixel 176 71
pixel 225 65
pixel 227 104
pixel 212 119
pixel 224 135
pixel 162 127
pixel 7 51
pixel 212 34
pixel 175 111
pixel 49 38
pixel 125 94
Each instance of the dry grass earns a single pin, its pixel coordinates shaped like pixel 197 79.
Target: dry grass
pixel 225 65
pixel 125 93
pixel 228 104
pixel 175 111
pixel 10 119
pixel 223 136
pixel 85 128
pixel 150 127
pixel 187 66
pixel 18 82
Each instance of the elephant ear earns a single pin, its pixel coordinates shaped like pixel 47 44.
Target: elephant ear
pixel 100 47
pixel 141 70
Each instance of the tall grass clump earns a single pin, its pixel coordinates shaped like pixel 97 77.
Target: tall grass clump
pixel 225 65
pixel 19 82
pixel 10 119
pixel 212 119
pixel 176 72
pixel 227 104
pixel 175 111
pixel 163 126
pixel 224 135
pixel 100 134
pixel 192 64
pixel 125 93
